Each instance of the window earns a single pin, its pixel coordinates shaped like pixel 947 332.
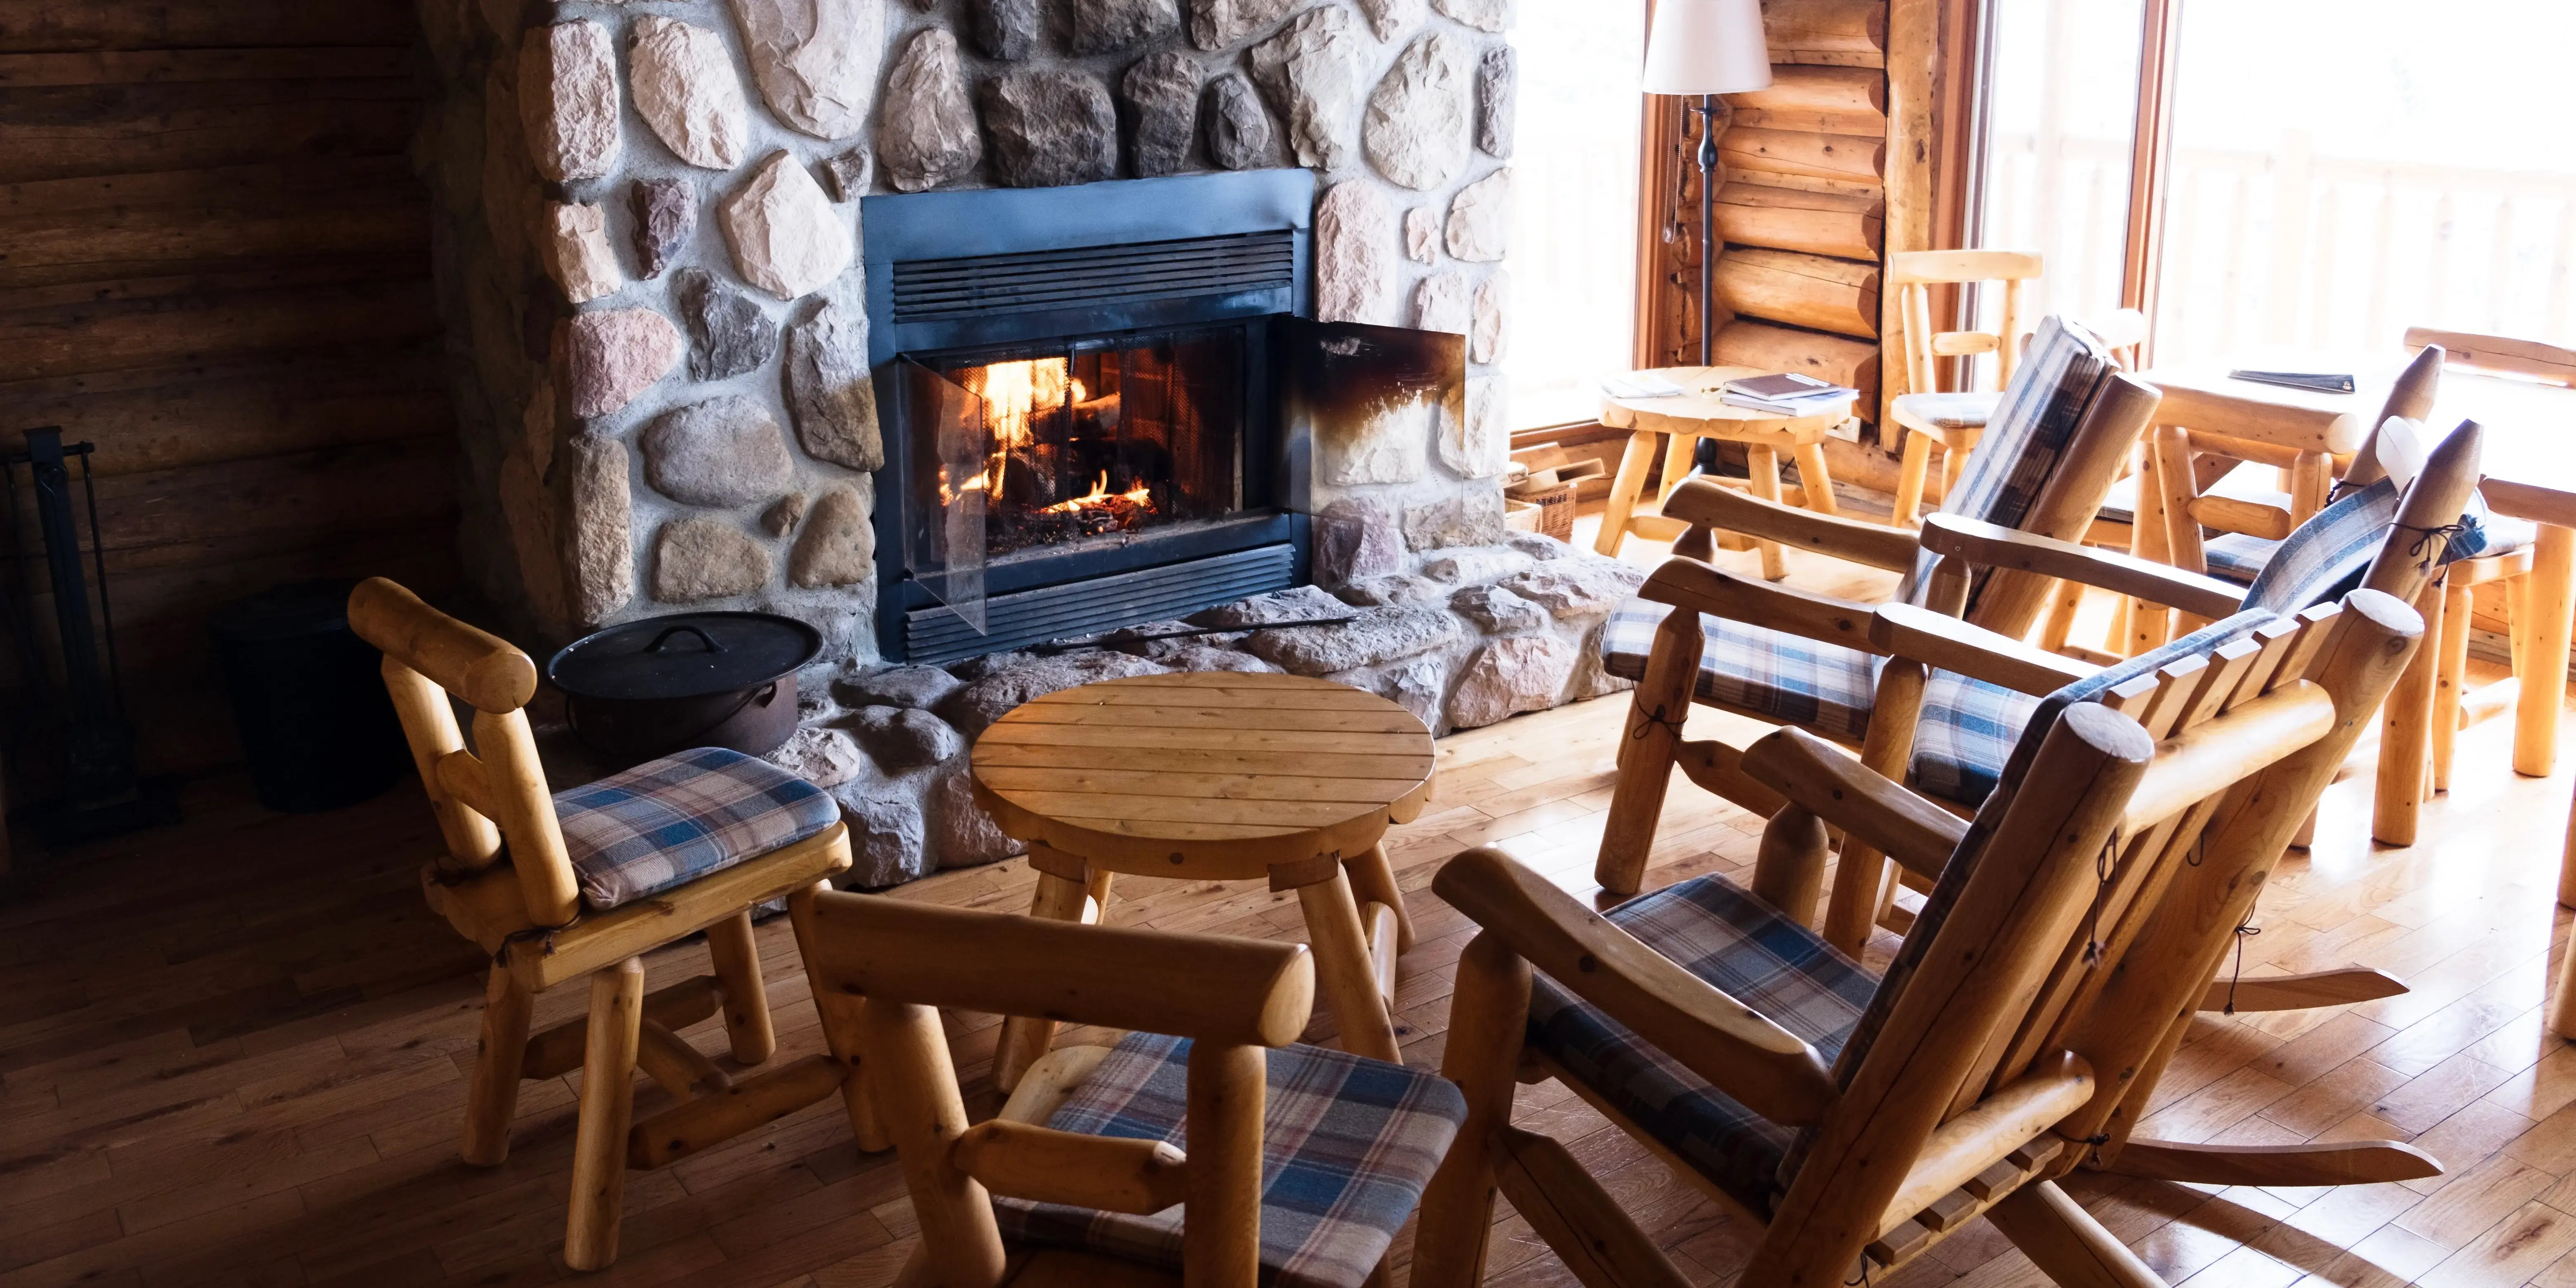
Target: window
pixel 2061 101
pixel 1574 193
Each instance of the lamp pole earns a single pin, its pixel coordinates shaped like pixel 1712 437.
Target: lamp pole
pixel 1706 111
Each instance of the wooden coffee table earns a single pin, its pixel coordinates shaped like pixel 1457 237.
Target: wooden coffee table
pixel 1217 776
pixel 1686 418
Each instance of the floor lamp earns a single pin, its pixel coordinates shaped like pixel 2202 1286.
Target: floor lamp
pixel 1704 48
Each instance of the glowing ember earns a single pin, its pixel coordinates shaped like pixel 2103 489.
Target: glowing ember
pixel 1140 496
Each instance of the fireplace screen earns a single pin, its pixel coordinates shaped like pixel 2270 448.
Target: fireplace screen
pixel 1020 450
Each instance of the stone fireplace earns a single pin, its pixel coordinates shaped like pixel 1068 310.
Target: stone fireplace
pixel 721 284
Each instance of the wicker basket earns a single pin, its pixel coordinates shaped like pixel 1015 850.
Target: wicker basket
pixel 1555 508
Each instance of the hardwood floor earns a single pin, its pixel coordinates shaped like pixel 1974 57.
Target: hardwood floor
pixel 234 1053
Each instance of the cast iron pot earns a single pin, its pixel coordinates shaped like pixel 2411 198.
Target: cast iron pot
pixel 649 688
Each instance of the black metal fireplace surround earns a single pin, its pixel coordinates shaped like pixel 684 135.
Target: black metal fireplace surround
pixel 1116 350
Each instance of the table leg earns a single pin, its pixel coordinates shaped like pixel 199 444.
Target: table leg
pixel 1373 881
pixel 1026 1039
pixel 1343 968
pixel 1678 451
pixel 1817 479
pixel 1624 491
pixel 2544 677
pixel 1765 464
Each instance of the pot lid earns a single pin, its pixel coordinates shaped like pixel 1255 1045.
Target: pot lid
pixel 684 655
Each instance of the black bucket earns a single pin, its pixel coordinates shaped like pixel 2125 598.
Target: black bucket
pixel 308 697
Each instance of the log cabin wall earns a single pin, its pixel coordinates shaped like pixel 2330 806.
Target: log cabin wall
pixel 215 266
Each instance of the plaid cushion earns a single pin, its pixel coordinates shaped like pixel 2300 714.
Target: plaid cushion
pixel 2326 556
pixel 1753 954
pixel 1755 670
pixel 2237 556
pixel 1347 1144
pixel 668 822
pixel 1967 731
pixel 1949 411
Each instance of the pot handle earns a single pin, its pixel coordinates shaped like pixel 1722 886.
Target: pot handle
pixel 703 638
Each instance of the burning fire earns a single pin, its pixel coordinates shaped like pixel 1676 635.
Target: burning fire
pixel 1139 495
pixel 1013 394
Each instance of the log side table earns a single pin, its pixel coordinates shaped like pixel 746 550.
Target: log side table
pixel 1683 420
pixel 1217 776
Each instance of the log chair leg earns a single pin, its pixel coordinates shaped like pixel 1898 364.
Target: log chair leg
pixel 1488 1015
pixel 1765 463
pixel 843 1021
pixel 1373 881
pixel 1095 896
pixel 1656 711
pixel 2064 603
pixel 492 1100
pixel 746 999
pixel 1910 473
pixel 1026 1038
pixel 2450 678
pixel 1343 970
pixel 607 1110
pixel 1860 878
pixel 2065 1242
pixel 2406 726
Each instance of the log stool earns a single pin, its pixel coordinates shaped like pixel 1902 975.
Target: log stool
pixel 1218 776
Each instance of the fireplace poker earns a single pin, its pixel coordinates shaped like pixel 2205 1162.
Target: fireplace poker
pixel 1053 647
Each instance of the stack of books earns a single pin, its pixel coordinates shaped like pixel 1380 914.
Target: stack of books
pixel 1789 394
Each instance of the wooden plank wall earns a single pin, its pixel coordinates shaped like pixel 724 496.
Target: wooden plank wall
pixel 214 264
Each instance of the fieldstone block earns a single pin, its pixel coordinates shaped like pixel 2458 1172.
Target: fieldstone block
pixel 1380 635
pixel 695 559
pixel 568 100
pixel 1539 546
pixel 1577 587
pixel 926 135
pixel 1440 303
pixel 1355 538
pixel 1314 72
pixel 822 756
pixel 1498 89
pixel 1394 588
pixel 782 518
pixel 886 832
pixel 1485 338
pixel 1187 655
pixel 1107 26
pixel 918 687
pixel 577 253
pixel 1421 234
pixel 1391 18
pixel 1473 518
pixel 728 332
pixel 599 549
pixel 963 833
pixel 815 60
pixel 1483 15
pixel 1049 129
pixel 722 452
pixel 1238 127
pixel 845 174
pixel 785 236
pixel 1161 93
pixel 1297 603
pixel 1498 611
pixel 608 356
pixel 1215 24
pixel 1415 685
pixel 838 546
pixel 1479 446
pixel 1418 122
pixel 1004 29
pixel 1480 219
pixel 1474 564
pixel 1524 673
pixel 686 92
pixel 1355 270
pixel 901 738
pixel 666 212
pixel 829 393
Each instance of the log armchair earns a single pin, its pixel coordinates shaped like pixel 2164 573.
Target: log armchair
pixel 576 885
pixel 1695 633
pixel 1856 1121
pixel 1203 1150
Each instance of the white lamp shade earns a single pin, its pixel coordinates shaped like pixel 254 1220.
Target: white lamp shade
pixel 1707 47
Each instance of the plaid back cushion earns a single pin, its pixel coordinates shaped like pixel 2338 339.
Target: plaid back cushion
pixel 668 822
pixel 1347 1145
pixel 2065 368
pixel 2326 556
pixel 1755 955
pixel 1756 670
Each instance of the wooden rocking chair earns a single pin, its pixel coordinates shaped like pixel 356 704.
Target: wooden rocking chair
pixel 1793 657
pixel 1855 1121
pixel 550 915
pixel 1301 1163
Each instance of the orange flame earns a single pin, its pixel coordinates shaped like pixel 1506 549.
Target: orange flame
pixel 1139 495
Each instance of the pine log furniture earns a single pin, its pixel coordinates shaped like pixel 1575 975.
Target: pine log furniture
pixel 1300 1163
pixel 577 885
pixel 1855 1121
pixel 2067 422
pixel 1217 776
pixel 1927 416
pixel 1684 419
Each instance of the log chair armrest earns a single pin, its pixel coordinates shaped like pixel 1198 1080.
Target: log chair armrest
pixel 1712 504
pixel 1938 640
pixel 1999 547
pixel 1689 584
pixel 1841 791
pixel 1738 1050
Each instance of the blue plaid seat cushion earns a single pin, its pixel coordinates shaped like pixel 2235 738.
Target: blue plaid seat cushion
pixel 668 822
pixel 1752 953
pixel 1347 1145
pixel 1967 731
pixel 1756 670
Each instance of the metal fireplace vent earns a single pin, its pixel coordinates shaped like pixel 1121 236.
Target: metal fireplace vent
pixel 933 290
pixel 934 635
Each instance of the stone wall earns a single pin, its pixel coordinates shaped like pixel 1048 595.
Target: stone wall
pixel 648 254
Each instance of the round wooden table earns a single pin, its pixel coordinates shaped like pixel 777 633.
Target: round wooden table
pixel 1685 418
pixel 1220 776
